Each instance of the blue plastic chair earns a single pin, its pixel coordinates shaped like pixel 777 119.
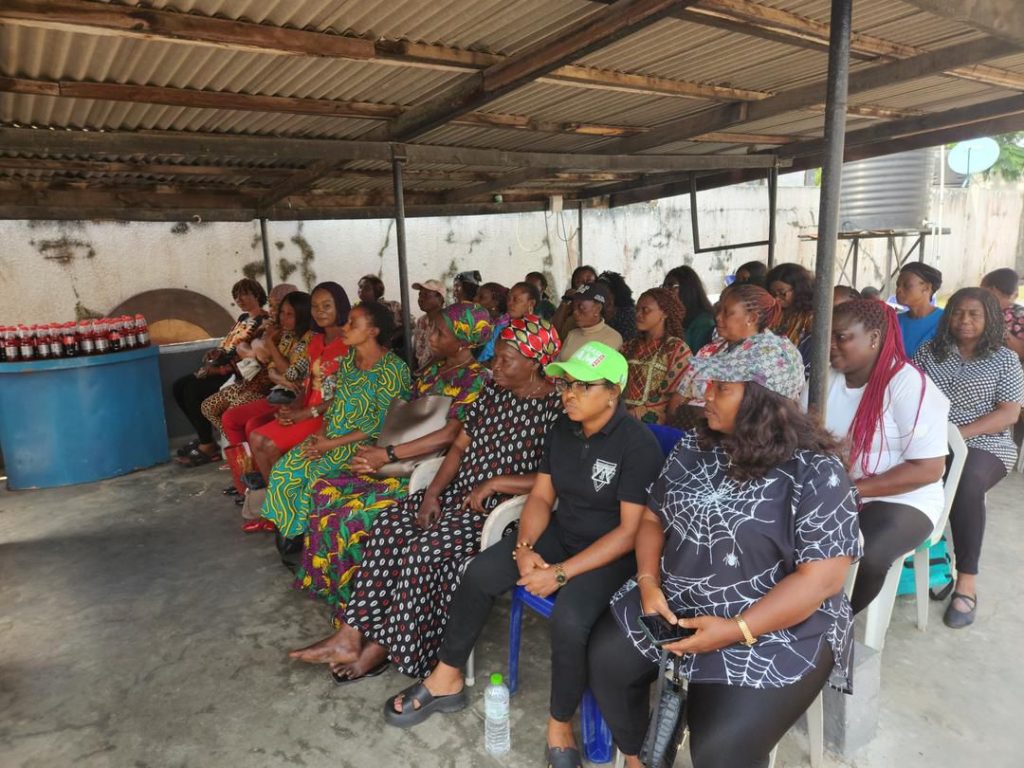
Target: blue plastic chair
pixel 597 737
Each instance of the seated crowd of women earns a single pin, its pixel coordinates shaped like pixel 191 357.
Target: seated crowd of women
pixel 743 536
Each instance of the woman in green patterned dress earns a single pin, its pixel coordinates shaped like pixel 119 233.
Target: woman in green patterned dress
pixel 369 377
pixel 345 507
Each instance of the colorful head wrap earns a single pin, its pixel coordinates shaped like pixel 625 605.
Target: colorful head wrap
pixel 533 337
pixel 470 323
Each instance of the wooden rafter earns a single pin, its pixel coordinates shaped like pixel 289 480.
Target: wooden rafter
pixel 1000 18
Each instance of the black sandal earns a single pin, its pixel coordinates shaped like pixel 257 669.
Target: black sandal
pixel 562 757
pixel 197 458
pixel 187 448
pixel 380 669
pixel 428 705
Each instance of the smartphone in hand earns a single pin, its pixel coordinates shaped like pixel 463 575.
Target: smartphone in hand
pixel 660 632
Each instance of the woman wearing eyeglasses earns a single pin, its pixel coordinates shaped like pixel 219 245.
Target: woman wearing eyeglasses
pixel 598 463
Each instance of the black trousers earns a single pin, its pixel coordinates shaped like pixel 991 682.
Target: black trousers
pixel 189 393
pixel 579 605
pixel 967 517
pixel 890 530
pixel 729 726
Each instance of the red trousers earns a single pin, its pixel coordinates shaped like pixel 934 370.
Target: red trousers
pixel 240 421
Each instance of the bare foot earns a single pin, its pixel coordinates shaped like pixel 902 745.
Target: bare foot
pixel 560 734
pixel 370 658
pixel 443 681
pixel 342 647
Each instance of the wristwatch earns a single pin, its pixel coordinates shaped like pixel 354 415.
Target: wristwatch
pixel 560 577
pixel 390 451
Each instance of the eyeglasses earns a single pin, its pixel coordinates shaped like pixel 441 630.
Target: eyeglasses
pixel 576 387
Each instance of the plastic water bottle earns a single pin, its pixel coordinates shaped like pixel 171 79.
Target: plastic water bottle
pixel 497 737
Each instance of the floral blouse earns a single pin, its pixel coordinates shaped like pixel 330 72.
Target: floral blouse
pixel 243 330
pixel 728 543
pixel 295 351
pixel 656 368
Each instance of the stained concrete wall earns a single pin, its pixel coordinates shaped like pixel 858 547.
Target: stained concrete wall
pixel 53 270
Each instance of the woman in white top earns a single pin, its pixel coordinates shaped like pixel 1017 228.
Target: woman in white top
pixel 892 419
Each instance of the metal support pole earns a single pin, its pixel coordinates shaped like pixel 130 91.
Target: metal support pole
pixel 773 197
pixel 267 273
pixel 397 161
pixel 828 207
pixel 579 231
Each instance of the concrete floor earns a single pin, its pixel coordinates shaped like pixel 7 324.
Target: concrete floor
pixel 140 628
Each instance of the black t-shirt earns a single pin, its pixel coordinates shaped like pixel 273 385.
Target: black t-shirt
pixel 592 476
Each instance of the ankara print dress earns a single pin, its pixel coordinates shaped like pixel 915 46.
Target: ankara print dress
pixel 409 575
pixel 345 506
pixel 361 400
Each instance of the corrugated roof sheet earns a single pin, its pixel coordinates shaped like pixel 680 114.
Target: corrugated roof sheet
pixel 671 49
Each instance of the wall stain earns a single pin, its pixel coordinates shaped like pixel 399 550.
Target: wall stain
pixel 306 262
pixel 82 312
pixel 254 269
pixel 62 250
pixel 285 268
pixel 279 244
pixel 181 228
pixel 387 242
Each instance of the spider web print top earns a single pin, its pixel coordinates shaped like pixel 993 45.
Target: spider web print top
pixel 728 543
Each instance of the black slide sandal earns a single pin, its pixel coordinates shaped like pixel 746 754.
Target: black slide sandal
pixel 429 704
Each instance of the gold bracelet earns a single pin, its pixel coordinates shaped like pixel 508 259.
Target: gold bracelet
pixel 643 576
pixel 521 545
pixel 748 638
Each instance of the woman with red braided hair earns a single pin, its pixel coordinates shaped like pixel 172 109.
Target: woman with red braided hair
pixel 892 419
pixel 658 358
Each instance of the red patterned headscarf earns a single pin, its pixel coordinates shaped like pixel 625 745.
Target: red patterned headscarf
pixel 533 337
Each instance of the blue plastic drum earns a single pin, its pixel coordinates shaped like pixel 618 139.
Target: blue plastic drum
pixel 81 419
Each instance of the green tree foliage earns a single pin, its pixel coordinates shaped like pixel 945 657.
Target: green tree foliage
pixel 1010 165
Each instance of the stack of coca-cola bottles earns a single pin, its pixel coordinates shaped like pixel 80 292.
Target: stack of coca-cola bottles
pixel 86 337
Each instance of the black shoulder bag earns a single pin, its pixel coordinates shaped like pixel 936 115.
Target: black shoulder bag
pixel 665 731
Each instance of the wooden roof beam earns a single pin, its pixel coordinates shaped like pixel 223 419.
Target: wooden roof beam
pixel 1000 18
pixel 727 115
pixel 197 146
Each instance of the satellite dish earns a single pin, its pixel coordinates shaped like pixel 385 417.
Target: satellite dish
pixel 973 156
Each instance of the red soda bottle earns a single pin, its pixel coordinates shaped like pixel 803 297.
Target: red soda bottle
pixel 114 335
pixel 41 342
pixel 68 340
pixel 101 336
pixel 128 336
pixel 26 349
pixel 10 344
pixel 86 341
pixel 56 345
pixel 141 331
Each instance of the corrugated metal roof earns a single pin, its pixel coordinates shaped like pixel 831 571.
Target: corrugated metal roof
pixel 671 49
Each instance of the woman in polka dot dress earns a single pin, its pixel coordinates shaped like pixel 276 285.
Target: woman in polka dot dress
pixel 414 557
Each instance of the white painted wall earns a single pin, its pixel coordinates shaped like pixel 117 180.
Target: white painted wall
pixel 46 268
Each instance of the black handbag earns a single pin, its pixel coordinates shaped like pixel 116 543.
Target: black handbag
pixel 665 731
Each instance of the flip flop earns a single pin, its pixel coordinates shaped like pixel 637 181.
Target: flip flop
pixel 429 704
pixel 378 670
pixel 562 757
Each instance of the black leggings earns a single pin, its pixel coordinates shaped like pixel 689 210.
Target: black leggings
pixel 580 603
pixel 729 725
pixel 890 530
pixel 189 393
pixel 967 517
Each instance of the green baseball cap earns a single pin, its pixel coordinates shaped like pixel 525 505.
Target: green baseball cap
pixel 592 362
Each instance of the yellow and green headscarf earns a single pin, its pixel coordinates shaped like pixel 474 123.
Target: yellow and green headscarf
pixel 470 323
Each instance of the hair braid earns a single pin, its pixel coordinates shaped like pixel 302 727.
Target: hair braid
pixel 757 301
pixel 668 302
pixel 876 316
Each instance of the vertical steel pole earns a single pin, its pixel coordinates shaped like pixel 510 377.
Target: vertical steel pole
pixel 579 230
pixel 397 161
pixel 828 207
pixel 266 255
pixel 773 196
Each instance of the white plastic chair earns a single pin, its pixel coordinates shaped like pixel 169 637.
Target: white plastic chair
pixel 423 474
pixel 500 518
pixel 879 612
